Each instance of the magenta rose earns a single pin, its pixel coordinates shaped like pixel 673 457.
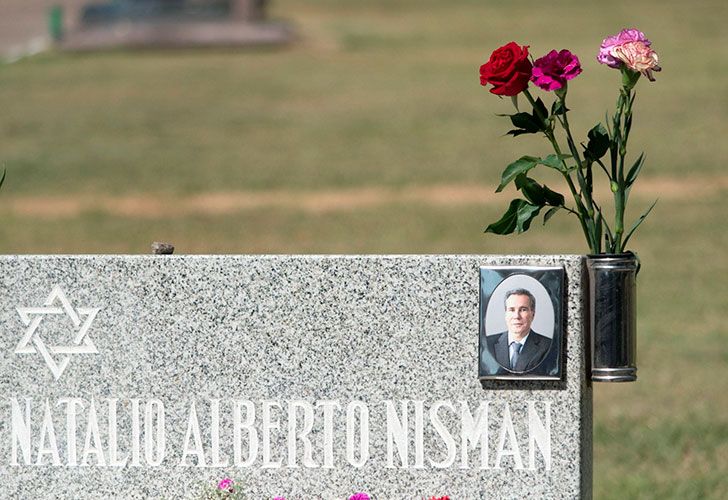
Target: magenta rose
pixel 551 71
pixel 508 70
pixel 606 49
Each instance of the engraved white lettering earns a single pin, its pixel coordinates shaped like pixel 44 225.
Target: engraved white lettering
pixel 444 434
pixel 328 407
pixel 114 460
pixel 272 434
pixel 20 431
pixel 155 442
pixel 92 434
pixel 396 434
pixel 474 432
pixel 238 426
pixel 363 410
pixel 539 434
pixel 419 434
pixel 507 431
pixel 47 431
pixel 135 434
pixel 217 461
pixel 71 413
pixel 268 426
pixel 193 432
pixel 302 435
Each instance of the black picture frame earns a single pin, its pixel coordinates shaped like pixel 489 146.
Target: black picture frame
pixel 542 351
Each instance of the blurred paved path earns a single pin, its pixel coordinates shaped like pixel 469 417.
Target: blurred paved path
pixel 324 200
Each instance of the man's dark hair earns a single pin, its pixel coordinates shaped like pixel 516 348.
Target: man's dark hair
pixel 522 291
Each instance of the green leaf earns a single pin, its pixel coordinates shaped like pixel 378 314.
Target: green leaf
pixel 507 223
pixel 606 120
pixel 530 189
pixel 3 177
pixel 598 232
pixel 538 194
pixel 637 224
pixel 608 236
pixel 558 108
pixel 514 100
pixel 598 144
pixel 550 213
pixel 635 170
pixel 517 132
pixel 540 107
pixel 517 218
pixel 520 166
pixel 527 122
pixel 589 177
pixel 555 162
pixel 526 213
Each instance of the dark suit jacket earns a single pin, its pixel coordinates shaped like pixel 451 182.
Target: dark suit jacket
pixel 533 352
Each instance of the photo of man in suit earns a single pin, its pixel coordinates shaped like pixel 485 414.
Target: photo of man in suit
pixel 519 349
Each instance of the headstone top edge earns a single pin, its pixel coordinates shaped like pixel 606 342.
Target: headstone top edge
pixel 514 257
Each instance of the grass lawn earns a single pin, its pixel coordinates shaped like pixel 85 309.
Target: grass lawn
pixel 108 152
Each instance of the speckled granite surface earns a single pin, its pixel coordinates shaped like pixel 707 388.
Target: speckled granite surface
pixel 135 377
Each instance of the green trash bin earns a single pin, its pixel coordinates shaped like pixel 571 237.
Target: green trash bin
pixel 55 22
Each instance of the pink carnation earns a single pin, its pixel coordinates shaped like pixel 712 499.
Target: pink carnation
pixel 606 49
pixel 359 496
pixel 551 71
pixel 225 484
pixel 629 48
pixel 638 57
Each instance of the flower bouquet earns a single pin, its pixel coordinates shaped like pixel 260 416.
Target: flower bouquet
pixel 612 270
pixel 509 70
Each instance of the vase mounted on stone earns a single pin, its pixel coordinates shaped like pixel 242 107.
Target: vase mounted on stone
pixel 612 316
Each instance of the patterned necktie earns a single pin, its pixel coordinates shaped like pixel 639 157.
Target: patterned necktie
pixel 515 352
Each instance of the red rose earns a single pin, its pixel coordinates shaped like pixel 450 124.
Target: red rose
pixel 508 70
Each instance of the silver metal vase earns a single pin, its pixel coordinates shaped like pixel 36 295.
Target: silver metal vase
pixel 613 308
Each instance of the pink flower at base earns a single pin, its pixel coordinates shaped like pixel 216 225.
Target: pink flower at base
pixel 551 71
pixel 359 496
pixel 225 484
pixel 606 55
pixel 279 498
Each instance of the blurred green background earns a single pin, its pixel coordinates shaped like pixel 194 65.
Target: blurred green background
pixel 371 134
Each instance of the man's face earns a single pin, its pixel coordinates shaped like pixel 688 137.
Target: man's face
pixel 519 315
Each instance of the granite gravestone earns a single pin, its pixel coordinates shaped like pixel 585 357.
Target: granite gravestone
pixel 299 376
pixel 139 24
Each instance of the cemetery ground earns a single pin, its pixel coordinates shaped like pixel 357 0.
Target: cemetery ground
pixel 372 135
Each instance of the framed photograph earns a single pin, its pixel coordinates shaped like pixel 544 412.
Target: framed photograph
pixel 521 323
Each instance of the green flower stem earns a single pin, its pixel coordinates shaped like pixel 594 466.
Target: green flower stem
pixel 575 152
pixel 622 126
pixel 586 184
pixel 583 213
pixel 565 125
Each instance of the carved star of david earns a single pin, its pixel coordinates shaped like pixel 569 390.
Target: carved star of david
pixel 32 343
